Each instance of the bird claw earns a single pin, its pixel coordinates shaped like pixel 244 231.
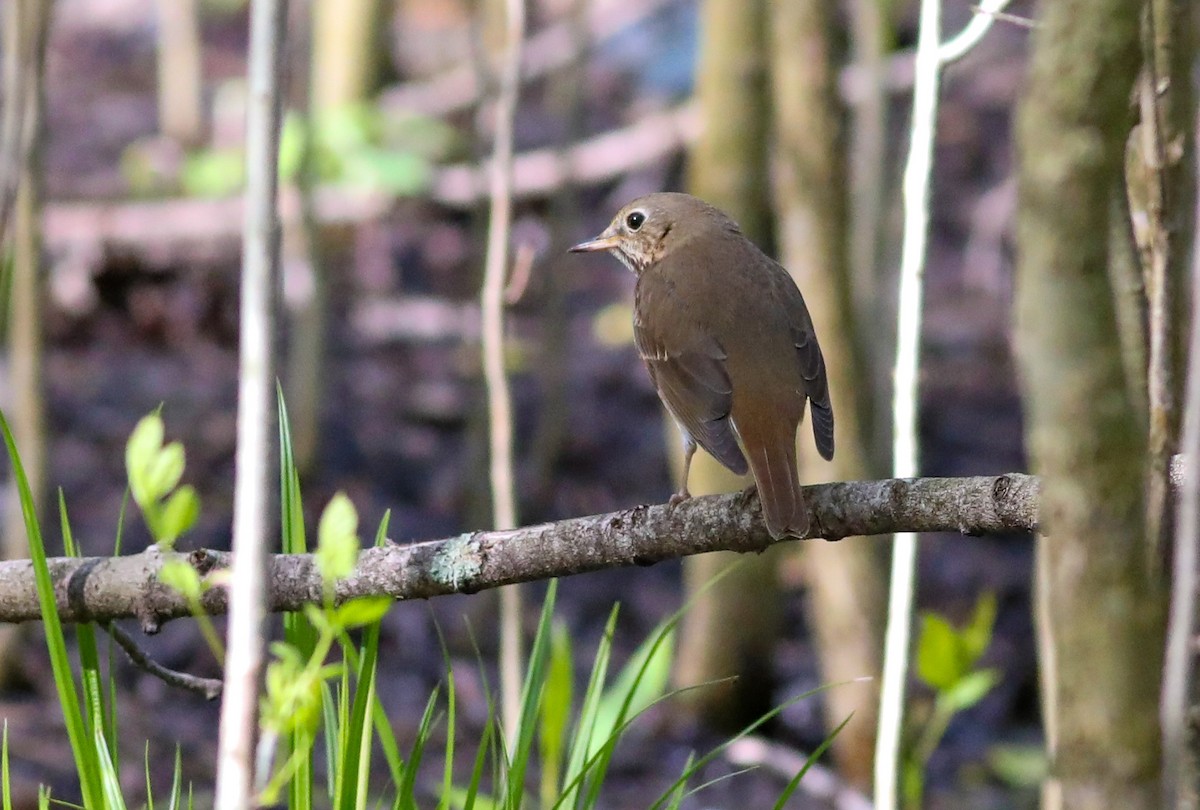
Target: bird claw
pixel 678 498
pixel 747 494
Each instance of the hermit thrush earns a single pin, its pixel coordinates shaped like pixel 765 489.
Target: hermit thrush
pixel 728 342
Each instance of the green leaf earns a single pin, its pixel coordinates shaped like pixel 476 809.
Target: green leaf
pixel 110 781
pixel 977 635
pixel 214 173
pixel 292 137
pixel 939 663
pixel 1021 766
pixel 337 539
pixel 182 577
pixel 399 173
pixel 969 690
pixel 179 514
pixel 362 611
pixel 140 451
pixel 348 127
pixel 164 470
pixel 317 618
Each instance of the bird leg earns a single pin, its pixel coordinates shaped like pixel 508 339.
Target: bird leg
pixel 748 492
pixel 689 450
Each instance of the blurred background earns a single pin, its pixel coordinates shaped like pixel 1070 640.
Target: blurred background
pixel 797 126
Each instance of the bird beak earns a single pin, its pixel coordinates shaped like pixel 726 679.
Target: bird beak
pixel 605 241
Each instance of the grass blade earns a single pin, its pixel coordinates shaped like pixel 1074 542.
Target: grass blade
pixel 531 697
pixel 809 762
pixel 711 755
pixel 297 629
pixel 86 759
pixel 113 800
pixel 89 656
pixel 177 782
pixel 585 726
pixel 356 753
pixel 406 797
pixel 5 779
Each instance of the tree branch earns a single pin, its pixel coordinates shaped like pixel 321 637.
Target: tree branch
pixel 104 589
pixel 209 688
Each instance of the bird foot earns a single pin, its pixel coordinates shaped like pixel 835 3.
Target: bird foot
pixel 679 497
pixel 747 494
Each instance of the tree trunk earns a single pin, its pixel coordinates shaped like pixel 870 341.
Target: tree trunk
pixel 845 580
pixel 1102 604
pixel 732 627
pixel 180 84
pixel 348 50
pixel 26 24
pixel 347 55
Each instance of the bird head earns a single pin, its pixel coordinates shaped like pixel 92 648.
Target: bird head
pixel 648 228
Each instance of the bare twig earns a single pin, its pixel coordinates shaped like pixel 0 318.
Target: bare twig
pixel 104 589
pixel 210 688
pixel 960 45
pixel 1014 19
pixel 905 449
pixel 248 586
pixel 504 501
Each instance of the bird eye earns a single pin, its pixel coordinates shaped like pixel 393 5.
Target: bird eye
pixel 635 220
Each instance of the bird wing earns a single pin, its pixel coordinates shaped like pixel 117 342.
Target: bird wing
pixel 809 360
pixel 687 367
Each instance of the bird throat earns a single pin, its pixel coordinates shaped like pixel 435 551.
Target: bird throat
pixel 636 263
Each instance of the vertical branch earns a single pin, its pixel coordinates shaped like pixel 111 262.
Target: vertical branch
pixel 1173 41
pixel 347 49
pixel 905 447
pixel 1129 289
pixel 260 258
pixel 1167 106
pixel 868 153
pixel 26 25
pixel 180 105
pixel 504 503
pixel 1179 772
pixel 905 460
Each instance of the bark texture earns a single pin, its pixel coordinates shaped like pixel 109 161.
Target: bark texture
pixel 1083 430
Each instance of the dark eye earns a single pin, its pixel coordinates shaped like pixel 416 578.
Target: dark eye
pixel 635 220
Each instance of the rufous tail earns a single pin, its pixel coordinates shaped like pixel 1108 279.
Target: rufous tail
pixel 773 463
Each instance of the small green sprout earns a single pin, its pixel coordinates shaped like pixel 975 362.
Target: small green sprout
pixel 154 474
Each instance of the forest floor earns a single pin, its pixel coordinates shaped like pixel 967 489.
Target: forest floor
pixel 401 425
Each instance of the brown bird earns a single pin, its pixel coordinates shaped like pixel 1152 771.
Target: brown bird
pixel 728 342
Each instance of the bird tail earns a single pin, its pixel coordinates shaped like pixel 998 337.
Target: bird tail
pixel 773 462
